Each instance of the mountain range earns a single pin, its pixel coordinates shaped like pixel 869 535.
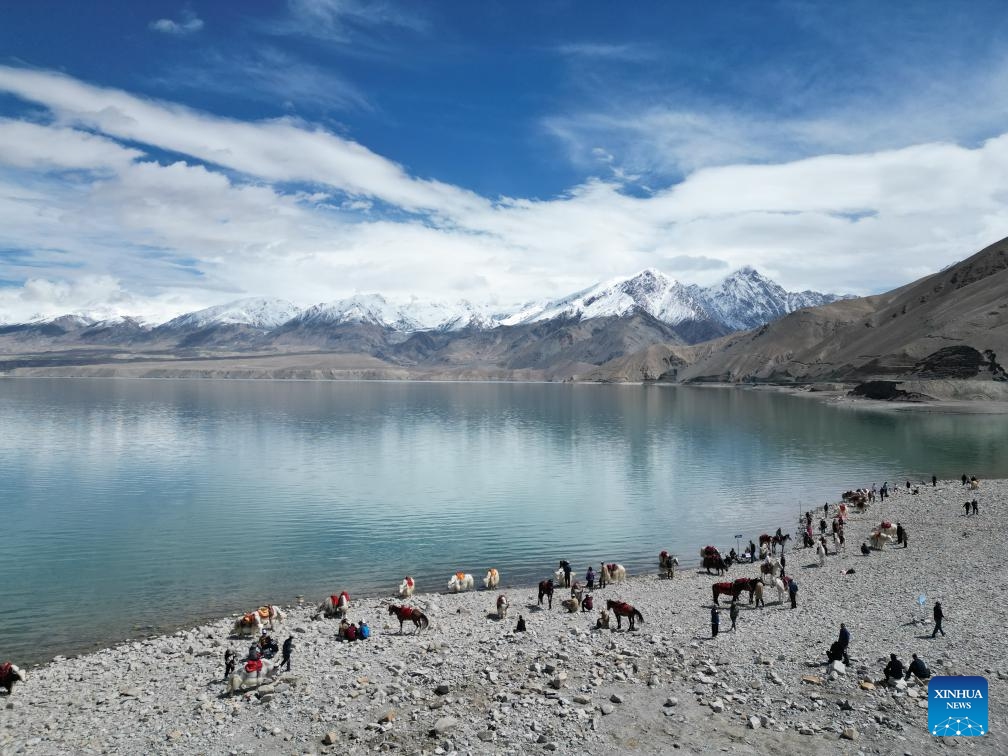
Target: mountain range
pixel 742 300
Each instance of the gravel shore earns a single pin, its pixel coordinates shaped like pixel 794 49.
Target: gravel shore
pixel 471 684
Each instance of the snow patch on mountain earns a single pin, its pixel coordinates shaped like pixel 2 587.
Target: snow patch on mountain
pixel 258 312
pixel 415 315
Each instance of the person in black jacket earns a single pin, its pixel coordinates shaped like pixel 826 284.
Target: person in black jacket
pixel 288 646
pixel 894 669
pixel 939 615
pixel 918 668
pixel 566 567
pixel 844 641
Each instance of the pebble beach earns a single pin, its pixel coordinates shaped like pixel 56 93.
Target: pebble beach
pixel 470 684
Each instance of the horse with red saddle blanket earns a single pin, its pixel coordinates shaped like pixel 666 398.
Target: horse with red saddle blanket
pixel 623 609
pixel 409 614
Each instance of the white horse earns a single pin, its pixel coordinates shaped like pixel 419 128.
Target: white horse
pixel 502 606
pixel 779 585
pixel 878 540
pixel 334 606
pixel 461 581
pixel 615 573
pixel 252 675
pixel 492 579
pixel 771 567
pixel 406 587
pixel 559 577
pixel 252 623
pixel 820 554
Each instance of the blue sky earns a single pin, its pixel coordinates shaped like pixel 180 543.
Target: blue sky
pixel 156 157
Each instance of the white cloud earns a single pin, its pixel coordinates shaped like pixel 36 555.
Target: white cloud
pixel 90 220
pixel 189 24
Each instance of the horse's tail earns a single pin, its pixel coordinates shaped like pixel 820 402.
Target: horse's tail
pixel 424 622
pixel 639 616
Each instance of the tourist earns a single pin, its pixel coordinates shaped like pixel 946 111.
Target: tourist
pixel 865 550
pixel 520 627
pixel 822 527
pixel 288 647
pixel 905 539
pixel 783 561
pixel 351 632
pixel 908 485
pixel 939 615
pixel 825 509
pixel 884 491
pixel 342 630
pixel 840 535
pixel 844 641
pixel 808 519
pixel 893 670
pixel 590 578
pixel 565 566
pixel 363 631
pixel 602 575
pixel 230 657
pixel 267 645
pixel 966 506
pixel 715 621
pixel 254 654
pixel 752 551
pixel 965 480
pixel 974 503
pixel 733 612
pixel 934 484
pixel 918 669
pixel 587 603
pixel 899 534
pixel 793 593
pixel 759 594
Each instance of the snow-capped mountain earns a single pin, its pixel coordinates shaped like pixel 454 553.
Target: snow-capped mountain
pixel 649 291
pixel 416 315
pixel 258 312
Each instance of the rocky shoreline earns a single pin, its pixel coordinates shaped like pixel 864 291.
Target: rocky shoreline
pixel 471 684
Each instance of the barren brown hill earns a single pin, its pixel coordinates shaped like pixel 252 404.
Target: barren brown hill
pixel 952 324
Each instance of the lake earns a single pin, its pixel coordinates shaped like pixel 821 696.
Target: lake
pixel 135 506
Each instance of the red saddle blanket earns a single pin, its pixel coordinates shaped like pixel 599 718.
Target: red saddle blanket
pixel 5 669
pixel 623 608
pixel 253 665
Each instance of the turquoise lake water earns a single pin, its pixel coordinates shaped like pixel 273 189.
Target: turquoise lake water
pixel 134 506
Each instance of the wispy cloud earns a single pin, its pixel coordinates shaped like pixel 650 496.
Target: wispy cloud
pixel 606 51
pixel 345 20
pixel 189 23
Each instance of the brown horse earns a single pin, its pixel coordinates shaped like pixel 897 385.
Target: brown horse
pixel 745 584
pixel 723 589
pixel 546 591
pixel 623 609
pixel 404 613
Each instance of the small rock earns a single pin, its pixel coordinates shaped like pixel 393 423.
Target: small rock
pixel 616 698
pixel 754 723
pixel 669 702
pixel 849 733
pixel 488 736
pixel 582 699
pixel 717 705
pixel 173 735
pixel 838 666
pixel 812 679
pixel 387 717
pixel 607 709
pixel 331 738
pixel 442 689
pixel 865 685
pixel 444 725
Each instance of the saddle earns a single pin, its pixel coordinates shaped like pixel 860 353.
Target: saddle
pixel 253 665
pixel 5 669
pixel 264 612
pixel 405 612
pixel 460 576
pixel 611 567
pixel 249 619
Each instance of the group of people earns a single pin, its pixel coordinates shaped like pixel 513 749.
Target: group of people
pixel 348 631
pixel 894 670
pixel 264 648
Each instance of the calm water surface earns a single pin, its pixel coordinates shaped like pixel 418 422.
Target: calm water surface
pixel 133 506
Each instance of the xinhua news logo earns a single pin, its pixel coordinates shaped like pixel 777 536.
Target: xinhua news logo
pixel 957 705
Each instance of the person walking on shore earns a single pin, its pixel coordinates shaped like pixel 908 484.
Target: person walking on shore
pixel 793 593
pixel 715 621
pixel 733 612
pixel 288 647
pixel 974 504
pixel 965 480
pixel 934 481
pixel 590 578
pixel 939 615
pixel 966 506
pixel 899 534
pixel 783 561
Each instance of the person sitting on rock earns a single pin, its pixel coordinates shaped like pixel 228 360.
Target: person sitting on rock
pixel 587 603
pixel 341 632
pixel 351 631
pixel 918 669
pixel 894 669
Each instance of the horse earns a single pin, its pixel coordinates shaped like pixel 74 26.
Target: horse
pixel 406 587
pixel 770 567
pixel 546 591
pixel 252 622
pixel 252 674
pixel 492 579
pixel 336 605
pixel 820 554
pixel 460 581
pixel 623 609
pixel 725 588
pixel 10 674
pixel 502 606
pixel 667 564
pixel 774 541
pixel 745 584
pixel 781 590
pixel 615 573
pixel 878 540
pixel 571 604
pixel 559 576
pixel 711 557
pixel 403 613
